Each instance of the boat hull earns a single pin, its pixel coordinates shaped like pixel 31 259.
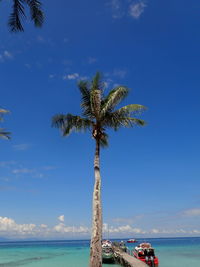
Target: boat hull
pixel 151 262
pixel 132 241
pixel 108 258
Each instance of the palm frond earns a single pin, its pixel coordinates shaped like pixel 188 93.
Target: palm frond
pixel 137 122
pixel 132 108
pixel 16 16
pixel 96 95
pixel 36 12
pixel 114 97
pixel 104 140
pixel 2 112
pixel 95 100
pixel 96 81
pixel 117 119
pixel 4 134
pixel 69 122
pixel 58 120
pixel 85 98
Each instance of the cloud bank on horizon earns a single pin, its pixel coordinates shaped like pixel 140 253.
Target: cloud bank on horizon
pixel 10 229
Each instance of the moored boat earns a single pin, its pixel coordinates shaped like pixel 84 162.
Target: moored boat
pixel 107 251
pixel 132 240
pixel 145 253
pixel 122 246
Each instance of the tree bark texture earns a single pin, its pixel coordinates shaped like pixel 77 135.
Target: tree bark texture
pixel 95 244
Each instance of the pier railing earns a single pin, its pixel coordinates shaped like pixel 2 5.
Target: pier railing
pixel 126 259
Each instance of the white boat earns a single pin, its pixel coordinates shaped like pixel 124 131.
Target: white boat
pixel 107 251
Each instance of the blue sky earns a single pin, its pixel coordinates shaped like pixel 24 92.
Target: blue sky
pixel 150 175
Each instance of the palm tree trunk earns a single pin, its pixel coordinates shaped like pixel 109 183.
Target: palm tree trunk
pixel 95 245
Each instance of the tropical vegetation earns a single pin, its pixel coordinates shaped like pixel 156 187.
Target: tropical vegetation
pixel 3 133
pixel 18 14
pixel 98 114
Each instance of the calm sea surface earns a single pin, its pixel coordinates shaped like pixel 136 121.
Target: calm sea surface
pixel 172 252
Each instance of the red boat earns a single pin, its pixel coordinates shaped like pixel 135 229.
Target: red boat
pixel 132 241
pixel 145 253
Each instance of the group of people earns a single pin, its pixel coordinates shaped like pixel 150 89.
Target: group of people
pixel 145 250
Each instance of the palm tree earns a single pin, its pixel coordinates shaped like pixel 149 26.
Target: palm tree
pixel 98 113
pixel 3 134
pixel 18 14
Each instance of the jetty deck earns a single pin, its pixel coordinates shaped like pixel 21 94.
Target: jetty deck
pixel 127 260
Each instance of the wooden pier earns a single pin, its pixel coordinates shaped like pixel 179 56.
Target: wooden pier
pixel 127 260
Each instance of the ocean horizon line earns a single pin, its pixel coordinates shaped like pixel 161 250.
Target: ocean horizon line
pixel 84 240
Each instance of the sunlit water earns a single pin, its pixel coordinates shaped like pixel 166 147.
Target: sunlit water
pixel 176 252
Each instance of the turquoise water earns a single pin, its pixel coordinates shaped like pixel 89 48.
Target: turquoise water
pixel 174 252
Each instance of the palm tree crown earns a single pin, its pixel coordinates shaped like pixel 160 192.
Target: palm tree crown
pixel 18 14
pixel 98 111
pixel 3 134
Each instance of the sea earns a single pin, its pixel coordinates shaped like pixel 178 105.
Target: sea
pixel 172 252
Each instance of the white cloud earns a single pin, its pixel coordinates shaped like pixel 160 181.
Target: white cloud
pixel 121 8
pixel 11 229
pixel 72 76
pixel 105 227
pixel 7 164
pixel 196 231
pixel 9 226
pixel 43 225
pixel 62 228
pixel 115 4
pixel 117 9
pixel 136 9
pixel 49 168
pixel 5 55
pixel 170 231
pixel 23 170
pixel 34 173
pixel 61 218
pixel 125 229
pixel 128 220
pixel 21 147
pixel 191 212
pixel 155 231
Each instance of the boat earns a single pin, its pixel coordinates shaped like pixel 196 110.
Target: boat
pixel 122 246
pixel 106 243
pixel 132 240
pixel 107 252
pixel 145 253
